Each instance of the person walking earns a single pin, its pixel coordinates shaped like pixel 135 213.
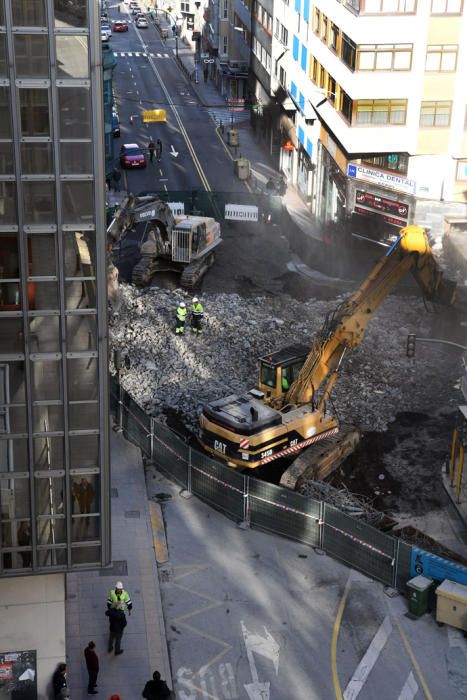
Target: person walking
pixel 151 148
pixel 117 624
pixel 158 149
pixel 116 176
pixel 156 689
pixel 92 665
pixel 59 681
pixel 118 596
pixel 197 313
pixel 181 318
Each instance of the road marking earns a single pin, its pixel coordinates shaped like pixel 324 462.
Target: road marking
pixel 335 635
pixel 370 657
pixel 265 646
pixel 165 188
pixel 160 172
pixel 414 661
pixel 410 688
pixel 129 54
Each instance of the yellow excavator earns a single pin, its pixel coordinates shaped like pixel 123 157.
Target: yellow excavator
pixel 288 412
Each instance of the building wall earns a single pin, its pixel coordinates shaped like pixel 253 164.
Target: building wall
pixel 42 602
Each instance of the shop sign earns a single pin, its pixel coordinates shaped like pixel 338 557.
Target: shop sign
pixel 6 671
pixel 288 146
pixel 389 180
pixel 391 210
pixel 241 212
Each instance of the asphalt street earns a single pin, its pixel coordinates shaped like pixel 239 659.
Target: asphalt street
pixel 147 76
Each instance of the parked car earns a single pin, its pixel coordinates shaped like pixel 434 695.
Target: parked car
pixel 105 36
pixel 106 29
pixel 120 26
pixel 131 156
pixel 115 124
pixel 142 23
pixel 136 10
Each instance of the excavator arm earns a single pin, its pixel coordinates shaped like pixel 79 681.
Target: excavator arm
pixel 344 328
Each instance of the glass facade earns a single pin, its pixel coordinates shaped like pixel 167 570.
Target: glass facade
pixel 54 457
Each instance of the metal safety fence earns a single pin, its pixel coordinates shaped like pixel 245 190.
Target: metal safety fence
pixel 269 507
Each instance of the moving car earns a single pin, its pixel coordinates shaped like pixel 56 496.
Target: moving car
pixel 131 156
pixel 142 23
pixel 105 36
pixel 105 28
pixel 120 26
pixel 133 4
pixel 136 10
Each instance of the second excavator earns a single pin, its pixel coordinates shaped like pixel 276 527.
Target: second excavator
pixel 288 413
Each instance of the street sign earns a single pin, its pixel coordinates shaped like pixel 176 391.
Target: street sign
pixel 154 115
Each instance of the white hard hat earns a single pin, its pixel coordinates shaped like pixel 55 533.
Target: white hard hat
pixel 119 584
pixel 195 299
pixel 182 304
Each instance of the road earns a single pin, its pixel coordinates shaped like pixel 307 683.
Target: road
pixel 147 76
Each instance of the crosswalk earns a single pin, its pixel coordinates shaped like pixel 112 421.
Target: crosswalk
pixel 226 115
pixel 140 54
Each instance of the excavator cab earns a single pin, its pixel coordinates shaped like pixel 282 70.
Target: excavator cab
pixel 279 369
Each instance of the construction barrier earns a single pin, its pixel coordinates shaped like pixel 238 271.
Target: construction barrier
pixel 272 508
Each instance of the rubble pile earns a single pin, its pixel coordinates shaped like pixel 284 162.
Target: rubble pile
pixel 178 374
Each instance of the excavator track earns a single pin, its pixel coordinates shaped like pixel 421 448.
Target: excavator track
pixel 321 459
pixel 195 271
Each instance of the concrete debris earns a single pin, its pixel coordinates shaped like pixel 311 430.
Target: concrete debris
pixel 175 375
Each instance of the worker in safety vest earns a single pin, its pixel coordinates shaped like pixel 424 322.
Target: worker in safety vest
pixel 181 317
pixel 119 598
pixel 197 313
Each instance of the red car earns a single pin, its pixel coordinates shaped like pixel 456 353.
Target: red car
pixel 131 156
pixel 120 26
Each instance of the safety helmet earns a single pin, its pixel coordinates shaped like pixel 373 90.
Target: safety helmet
pixel 119 585
pixel 182 304
pixel 195 300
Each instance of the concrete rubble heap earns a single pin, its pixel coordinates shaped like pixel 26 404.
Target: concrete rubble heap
pixel 173 374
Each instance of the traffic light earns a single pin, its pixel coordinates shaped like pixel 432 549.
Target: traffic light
pixel 411 338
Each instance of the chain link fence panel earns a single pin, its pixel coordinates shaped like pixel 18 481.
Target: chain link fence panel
pixel 284 512
pixel 223 487
pixel 359 545
pixel 404 558
pixel 170 454
pixel 136 424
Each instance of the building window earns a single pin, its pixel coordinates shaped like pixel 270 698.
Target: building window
pixel 435 114
pixel 36 158
pixel 277 31
pixel 333 37
pixel 72 56
pixel 381 112
pixel 8 213
pixel 384 57
pixel 3 66
pixel 314 71
pixel 6 158
pixel 442 7
pixel 282 77
pixel 226 9
pixel 395 162
pixel 348 51
pixel 441 58
pixel 390 6
pixel 225 45
pixel 39 203
pixel 70 14
pixel 324 29
pixel 346 106
pixel 331 91
pixel 29 13
pixel 316 21
pixel 74 112
pixel 284 38
pixel 31 56
pixel 5 131
pixel 34 105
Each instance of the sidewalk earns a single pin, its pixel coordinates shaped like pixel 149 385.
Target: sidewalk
pixel 144 640
pixel 262 166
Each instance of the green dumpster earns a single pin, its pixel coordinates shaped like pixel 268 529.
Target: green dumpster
pixel 419 593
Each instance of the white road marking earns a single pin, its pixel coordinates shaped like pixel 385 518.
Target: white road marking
pixel 160 172
pixel 129 54
pixel 229 689
pixel 159 55
pixel 363 669
pixel 410 688
pixel 165 188
pixel 265 646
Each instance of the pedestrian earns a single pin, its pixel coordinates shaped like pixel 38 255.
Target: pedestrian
pixel 116 176
pixel 181 318
pixel 108 182
pixel 156 689
pixel 205 74
pixel 158 149
pixel 59 681
pixel 118 596
pixel 23 537
pixel 270 186
pixel 151 148
pixel 117 624
pixel 197 313
pixel 92 665
pixel 282 186
pixel 83 491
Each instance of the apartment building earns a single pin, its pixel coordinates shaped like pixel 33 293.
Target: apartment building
pixel 54 461
pixel 379 107
pixel 227 32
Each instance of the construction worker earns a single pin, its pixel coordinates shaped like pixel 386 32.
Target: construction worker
pixel 119 598
pixel 197 313
pixel 181 318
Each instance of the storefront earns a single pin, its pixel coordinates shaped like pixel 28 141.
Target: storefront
pixel 305 174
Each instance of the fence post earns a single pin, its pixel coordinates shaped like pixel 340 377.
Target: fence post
pixel 246 500
pixel 322 514
pixel 397 543
pixel 151 440
pixel 118 428
pixel 188 482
